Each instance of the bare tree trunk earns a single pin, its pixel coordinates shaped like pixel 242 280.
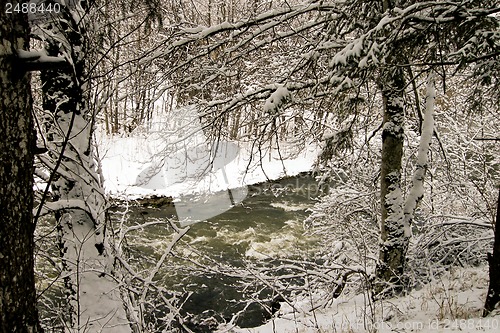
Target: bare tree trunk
pixel 116 106
pixel 493 296
pixel 394 237
pixel 106 120
pixel 18 311
pixel 236 126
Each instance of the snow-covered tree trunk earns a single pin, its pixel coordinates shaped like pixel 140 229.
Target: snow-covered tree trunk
pixel 394 234
pixel 79 204
pixel 18 311
pixel 397 214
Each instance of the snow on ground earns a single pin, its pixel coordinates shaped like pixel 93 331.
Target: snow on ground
pixel 140 166
pixel 176 159
pixel 451 303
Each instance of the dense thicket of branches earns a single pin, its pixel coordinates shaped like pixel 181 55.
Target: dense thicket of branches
pixel 346 75
pixel 315 59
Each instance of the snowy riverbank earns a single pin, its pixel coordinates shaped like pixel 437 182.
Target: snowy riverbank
pixel 126 159
pixel 451 303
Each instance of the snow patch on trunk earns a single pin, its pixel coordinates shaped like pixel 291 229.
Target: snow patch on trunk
pixel 417 190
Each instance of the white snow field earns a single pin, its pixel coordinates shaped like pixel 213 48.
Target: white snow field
pixel 451 303
pixel 125 159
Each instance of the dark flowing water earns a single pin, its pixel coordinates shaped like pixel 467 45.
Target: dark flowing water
pixel 265 227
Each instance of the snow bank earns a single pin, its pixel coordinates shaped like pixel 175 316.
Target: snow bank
pixel 452 303
pixel 138 166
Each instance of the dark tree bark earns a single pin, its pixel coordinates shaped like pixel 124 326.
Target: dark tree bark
pixel 493 296
pixel 18 311
pixel 393 236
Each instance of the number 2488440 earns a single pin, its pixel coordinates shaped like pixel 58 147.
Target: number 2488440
pixel 32 8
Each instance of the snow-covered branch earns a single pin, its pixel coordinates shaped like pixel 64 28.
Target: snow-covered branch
pixel 39 61
pixel 417 191
pixel 51 207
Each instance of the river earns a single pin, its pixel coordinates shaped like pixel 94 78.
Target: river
pixel 266 227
